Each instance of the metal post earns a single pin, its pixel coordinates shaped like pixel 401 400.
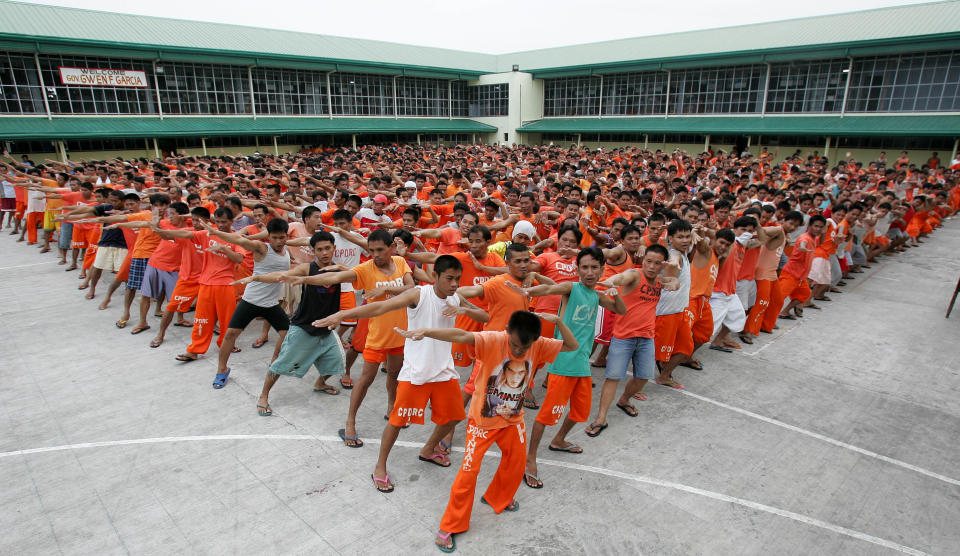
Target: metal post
pixel 203 143
pixel 396 109
pixel 276 149
pixel 956 146
pixel 748 141
pixel 43 88
pixel 846 88
pixel 353 139
pixel 766 89
pixel 706 143
pixel 579 136
pixel 418 138
pixel 666 97
pixel 473 141
pixel 253 100
pixel 450 99
pixel 62 149
pixel 646 139
pixel 329 97
pixel 600 104
pixel 826 148
pixel 156 91
pixel 156 148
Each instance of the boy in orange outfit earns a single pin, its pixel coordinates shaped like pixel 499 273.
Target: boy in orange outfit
pixel 506 360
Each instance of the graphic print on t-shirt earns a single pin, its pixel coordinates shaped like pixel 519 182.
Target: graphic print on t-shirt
pixel 505 388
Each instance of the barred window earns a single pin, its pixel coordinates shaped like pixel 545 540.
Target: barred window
pixel 571 96
pixel 724 90
pixel 489 100
pixel 20 91
pixel 203 89
pixel 89 99
pixel 807 86
pixel 283 91
pixel 355 94
pixel 907 83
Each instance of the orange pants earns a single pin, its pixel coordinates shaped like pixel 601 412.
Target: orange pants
pixel 33 218
pixel 92 238
pixel 512 441
pixel 360 335
pixel 763 314
pixel 214 304
pixel 794 288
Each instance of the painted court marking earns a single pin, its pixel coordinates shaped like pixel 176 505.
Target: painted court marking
pixel 823 438
pixel 800 518
pixel 26 265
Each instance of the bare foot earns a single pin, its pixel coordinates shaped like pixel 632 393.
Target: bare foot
pixel 103 306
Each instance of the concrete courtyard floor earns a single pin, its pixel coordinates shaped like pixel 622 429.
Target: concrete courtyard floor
pixel 836 435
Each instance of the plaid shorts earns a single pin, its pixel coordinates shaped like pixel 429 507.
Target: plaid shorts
pixel 137 268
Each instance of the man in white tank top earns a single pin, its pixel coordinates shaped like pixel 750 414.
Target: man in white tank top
pixel 428 374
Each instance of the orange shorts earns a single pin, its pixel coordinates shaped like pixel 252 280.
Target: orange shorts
pixel 672 335
pixel 183 296
pixel 348 300
pixel 446 403
pixel 577 390
pixel 607 322
pixel 700 320
pixel 463 354
pixel 794 288
pixel 360 335
pixel 380 355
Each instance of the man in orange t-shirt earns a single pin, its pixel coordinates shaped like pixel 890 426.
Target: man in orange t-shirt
pixel 380 278
pixel 505 360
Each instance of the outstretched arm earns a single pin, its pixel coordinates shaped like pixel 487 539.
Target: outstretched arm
pixel 569 340
pixel 406 299
pixel 452 335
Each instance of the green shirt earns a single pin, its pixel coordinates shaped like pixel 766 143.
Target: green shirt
pixel 580 315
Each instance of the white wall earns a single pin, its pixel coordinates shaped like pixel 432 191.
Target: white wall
pixel 526 103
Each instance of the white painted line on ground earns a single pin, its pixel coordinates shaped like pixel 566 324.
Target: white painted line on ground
pixel 554 463
pixel 775 340
pixel 26 265
pixel 819 436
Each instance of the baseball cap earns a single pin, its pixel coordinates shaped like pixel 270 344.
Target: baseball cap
pixel 380 198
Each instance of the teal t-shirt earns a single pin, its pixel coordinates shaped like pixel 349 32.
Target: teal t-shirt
pixel 581 317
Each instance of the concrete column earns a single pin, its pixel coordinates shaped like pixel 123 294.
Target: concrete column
pixel 353 140
pixel 646 140
pixel 276 149
pixel 43 88
pixel 156 90
pixel 953 155
pixel 579 136
pixel 826 148
pixel 330 97
pixel 62 149
pixel 473 141
pixel 203 143
pixel 706 143
pixel 846 88
pixel 748 142
pixel 418 138
pixel 253 100
pixel 156 148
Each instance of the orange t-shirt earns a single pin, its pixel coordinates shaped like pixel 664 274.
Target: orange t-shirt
pixel 502 379
pixel 147 241
pixel 828 246
pixel 801 258
pixel 167 256
pixel 702 279
pixel 641 316
pixel 381 334
pixel 727 276
pixel 502 301
pixel 472 276
pixel 191 259
pixel 217 268
pixel 558 269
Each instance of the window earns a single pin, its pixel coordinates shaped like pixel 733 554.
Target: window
pixel 807 86
pixel 729 90
pixel 355 94
pixel 907 83
pixel 571 96
pixel 20 91
pixel 203 89
pixel 417 96
pixel 489 100
pixel 631 94
pixel 88 99
pixel 290 91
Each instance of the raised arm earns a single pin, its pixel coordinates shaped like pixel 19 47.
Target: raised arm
pixel 237 239
pixel 452 335
pixel 409 298
pixel 569 340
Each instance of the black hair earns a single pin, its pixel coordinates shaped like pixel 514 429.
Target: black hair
pixel 487 236
pixel 180 208
pixel 515 248
pixel 446 262
pixel 816 218
pixel 308 212
pixel 342 214
pixel 131 197
pixel 576 232
pixel 525 325
pixel 657 248
pixel 403 235
pixel 727 234
pixel 277 225
pixel 316 238
pixel 657 216
pixel 223 212
pixel 794 215
pixel 200 212
pixel 744 221
pixel 594 252
pixel 678 225
pixel 630 229
pixel 382 236
pixel 159 199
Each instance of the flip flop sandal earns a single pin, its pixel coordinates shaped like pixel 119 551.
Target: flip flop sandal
pixel 746 339
pixel 346 383
pixel 824 298
pixel 526 480
pixel 235 350
pixel 433 459
pixel 327 390
pixel 385 481
pixel 531 404
pixel 516 505
pixel 696 365
pixel 453 542
pixel 721 348
pixel 139 329
pixel 672 384
pixel 357 443
pixel 121 323
pixel 185 358
pixel 814 307
pixel 571 449
pixel 156 343
pixel 640 396
pixel 788 317
pixel 220 380
pixel 599 429
pixel 264 410
pixel 184 324
pixel 626 409
pixel 258 343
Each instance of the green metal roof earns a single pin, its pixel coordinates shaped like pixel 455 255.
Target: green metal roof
pixel 70 30
pixel 88 128
pixel 899 26
pixel 939 125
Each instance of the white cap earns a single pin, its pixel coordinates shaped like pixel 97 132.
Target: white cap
pixel 410 185
pixel 523 227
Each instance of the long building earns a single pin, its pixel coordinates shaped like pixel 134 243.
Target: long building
pixel 89 84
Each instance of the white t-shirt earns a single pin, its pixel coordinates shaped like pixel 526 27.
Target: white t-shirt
pixel 428 360
pixel 366 216
pixel 347 254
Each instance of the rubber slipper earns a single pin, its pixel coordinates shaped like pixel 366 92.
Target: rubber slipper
pixel 258 343
pixel 357 443
pixel 346 383
pixel 746 339
pixel 531 404
pixel 185 358
pixel 453 542
pixel 156 343
pixel 695 365
pixel 672 384
pixel 121 323
pixel 386 481
pixel 721 348
pixel 626 409
pixel 824 298
pixel 220 380
pixel 184 324
pixel 264 410
pixel 814 307
pixel 446 447
pixel 327 390
pixel 528 476
pixel 787 317
pixel 139 329
pixel 235 350
pixel 640 396
pixel 599 429
pixel 433 459
pixel 516 505
pixel 571 449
